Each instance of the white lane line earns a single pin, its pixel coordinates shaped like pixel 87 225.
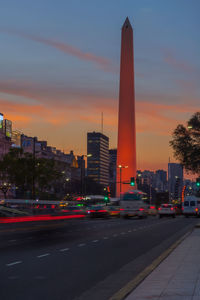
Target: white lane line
pixel 12 241
pixel 115 235
pixel 105 238
pixel 123 232
pixel 43 255
pixel 64 249
pixel 14 263
pixel 129 230
pixel 81 245
pixel 95 241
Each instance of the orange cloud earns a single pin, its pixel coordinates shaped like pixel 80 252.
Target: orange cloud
pixel 67 49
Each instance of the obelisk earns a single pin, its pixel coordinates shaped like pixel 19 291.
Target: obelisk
pixel 126 149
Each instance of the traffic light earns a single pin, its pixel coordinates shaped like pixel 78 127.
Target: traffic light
pixel 106 194
pixel 198 182
pixel 132 183
pixel 106 198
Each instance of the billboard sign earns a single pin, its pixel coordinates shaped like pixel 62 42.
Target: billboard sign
pixel 1 121
pixel 7 126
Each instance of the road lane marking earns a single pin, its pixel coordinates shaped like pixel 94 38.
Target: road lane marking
pixel 129 230
pixel 64 249
pixel 105 238
pixel 115 235
pixel 81 245
pixel 14 263
pixel 94 241
pixel 43 255
pixel 12 241
pixel 123 232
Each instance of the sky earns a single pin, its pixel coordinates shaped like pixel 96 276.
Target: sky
pixel 59 70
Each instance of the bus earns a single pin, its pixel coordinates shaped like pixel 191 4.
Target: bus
pixel 31 206
pixel 134 203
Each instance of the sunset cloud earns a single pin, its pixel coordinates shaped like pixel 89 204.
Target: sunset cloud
pixel 102 62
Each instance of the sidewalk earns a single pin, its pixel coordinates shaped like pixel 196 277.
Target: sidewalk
pixel 177 277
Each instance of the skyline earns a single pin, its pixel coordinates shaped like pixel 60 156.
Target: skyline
pixel 52 70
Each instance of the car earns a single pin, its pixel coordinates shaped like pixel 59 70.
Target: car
pixel 166 210
pixel 134 204
pixel 97 212
pixel 114 211
pixel 152 211
pixel 75 210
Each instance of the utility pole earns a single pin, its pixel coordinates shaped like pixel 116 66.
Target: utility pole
pixel 33 186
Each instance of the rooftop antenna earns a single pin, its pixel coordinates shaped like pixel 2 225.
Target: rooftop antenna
pixel 102 122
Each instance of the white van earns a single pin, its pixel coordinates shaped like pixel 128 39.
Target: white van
pixel 190 206
pixel 134 203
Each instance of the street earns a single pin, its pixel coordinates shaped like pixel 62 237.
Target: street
pixel 82 259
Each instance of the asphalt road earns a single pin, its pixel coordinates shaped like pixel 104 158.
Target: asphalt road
pixel 81 259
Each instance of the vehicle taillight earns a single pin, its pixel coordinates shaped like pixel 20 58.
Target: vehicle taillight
pixel 102 210
pixel 121 208
pixel 152 207
pixel 172 208
pixel 196 209
pixel 141 209
pixel 89 211
pixel 159 208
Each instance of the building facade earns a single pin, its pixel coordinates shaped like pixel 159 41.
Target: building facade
pixel 175 181
pixel 98 157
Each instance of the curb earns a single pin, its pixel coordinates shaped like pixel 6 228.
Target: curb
pixel 131 285
pixel 197 225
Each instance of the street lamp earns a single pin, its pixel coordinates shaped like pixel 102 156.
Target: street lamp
pixel 120 177
pixel 83 186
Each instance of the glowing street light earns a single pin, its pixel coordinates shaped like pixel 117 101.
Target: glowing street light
pixel 120 177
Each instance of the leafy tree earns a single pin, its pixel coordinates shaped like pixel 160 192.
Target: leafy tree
pixel 23 170
pixel 186 144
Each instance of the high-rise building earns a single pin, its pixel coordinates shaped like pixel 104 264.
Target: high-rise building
pixel 126 149
pixel 175 181
pixel 112 171
pixel 160 182
pixel 98 157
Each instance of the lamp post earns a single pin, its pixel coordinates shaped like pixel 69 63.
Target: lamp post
pixel 120 177
pixel 33 179
pixel 83 186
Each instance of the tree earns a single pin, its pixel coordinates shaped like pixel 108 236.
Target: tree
pixel 186 144
pixel 19 168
